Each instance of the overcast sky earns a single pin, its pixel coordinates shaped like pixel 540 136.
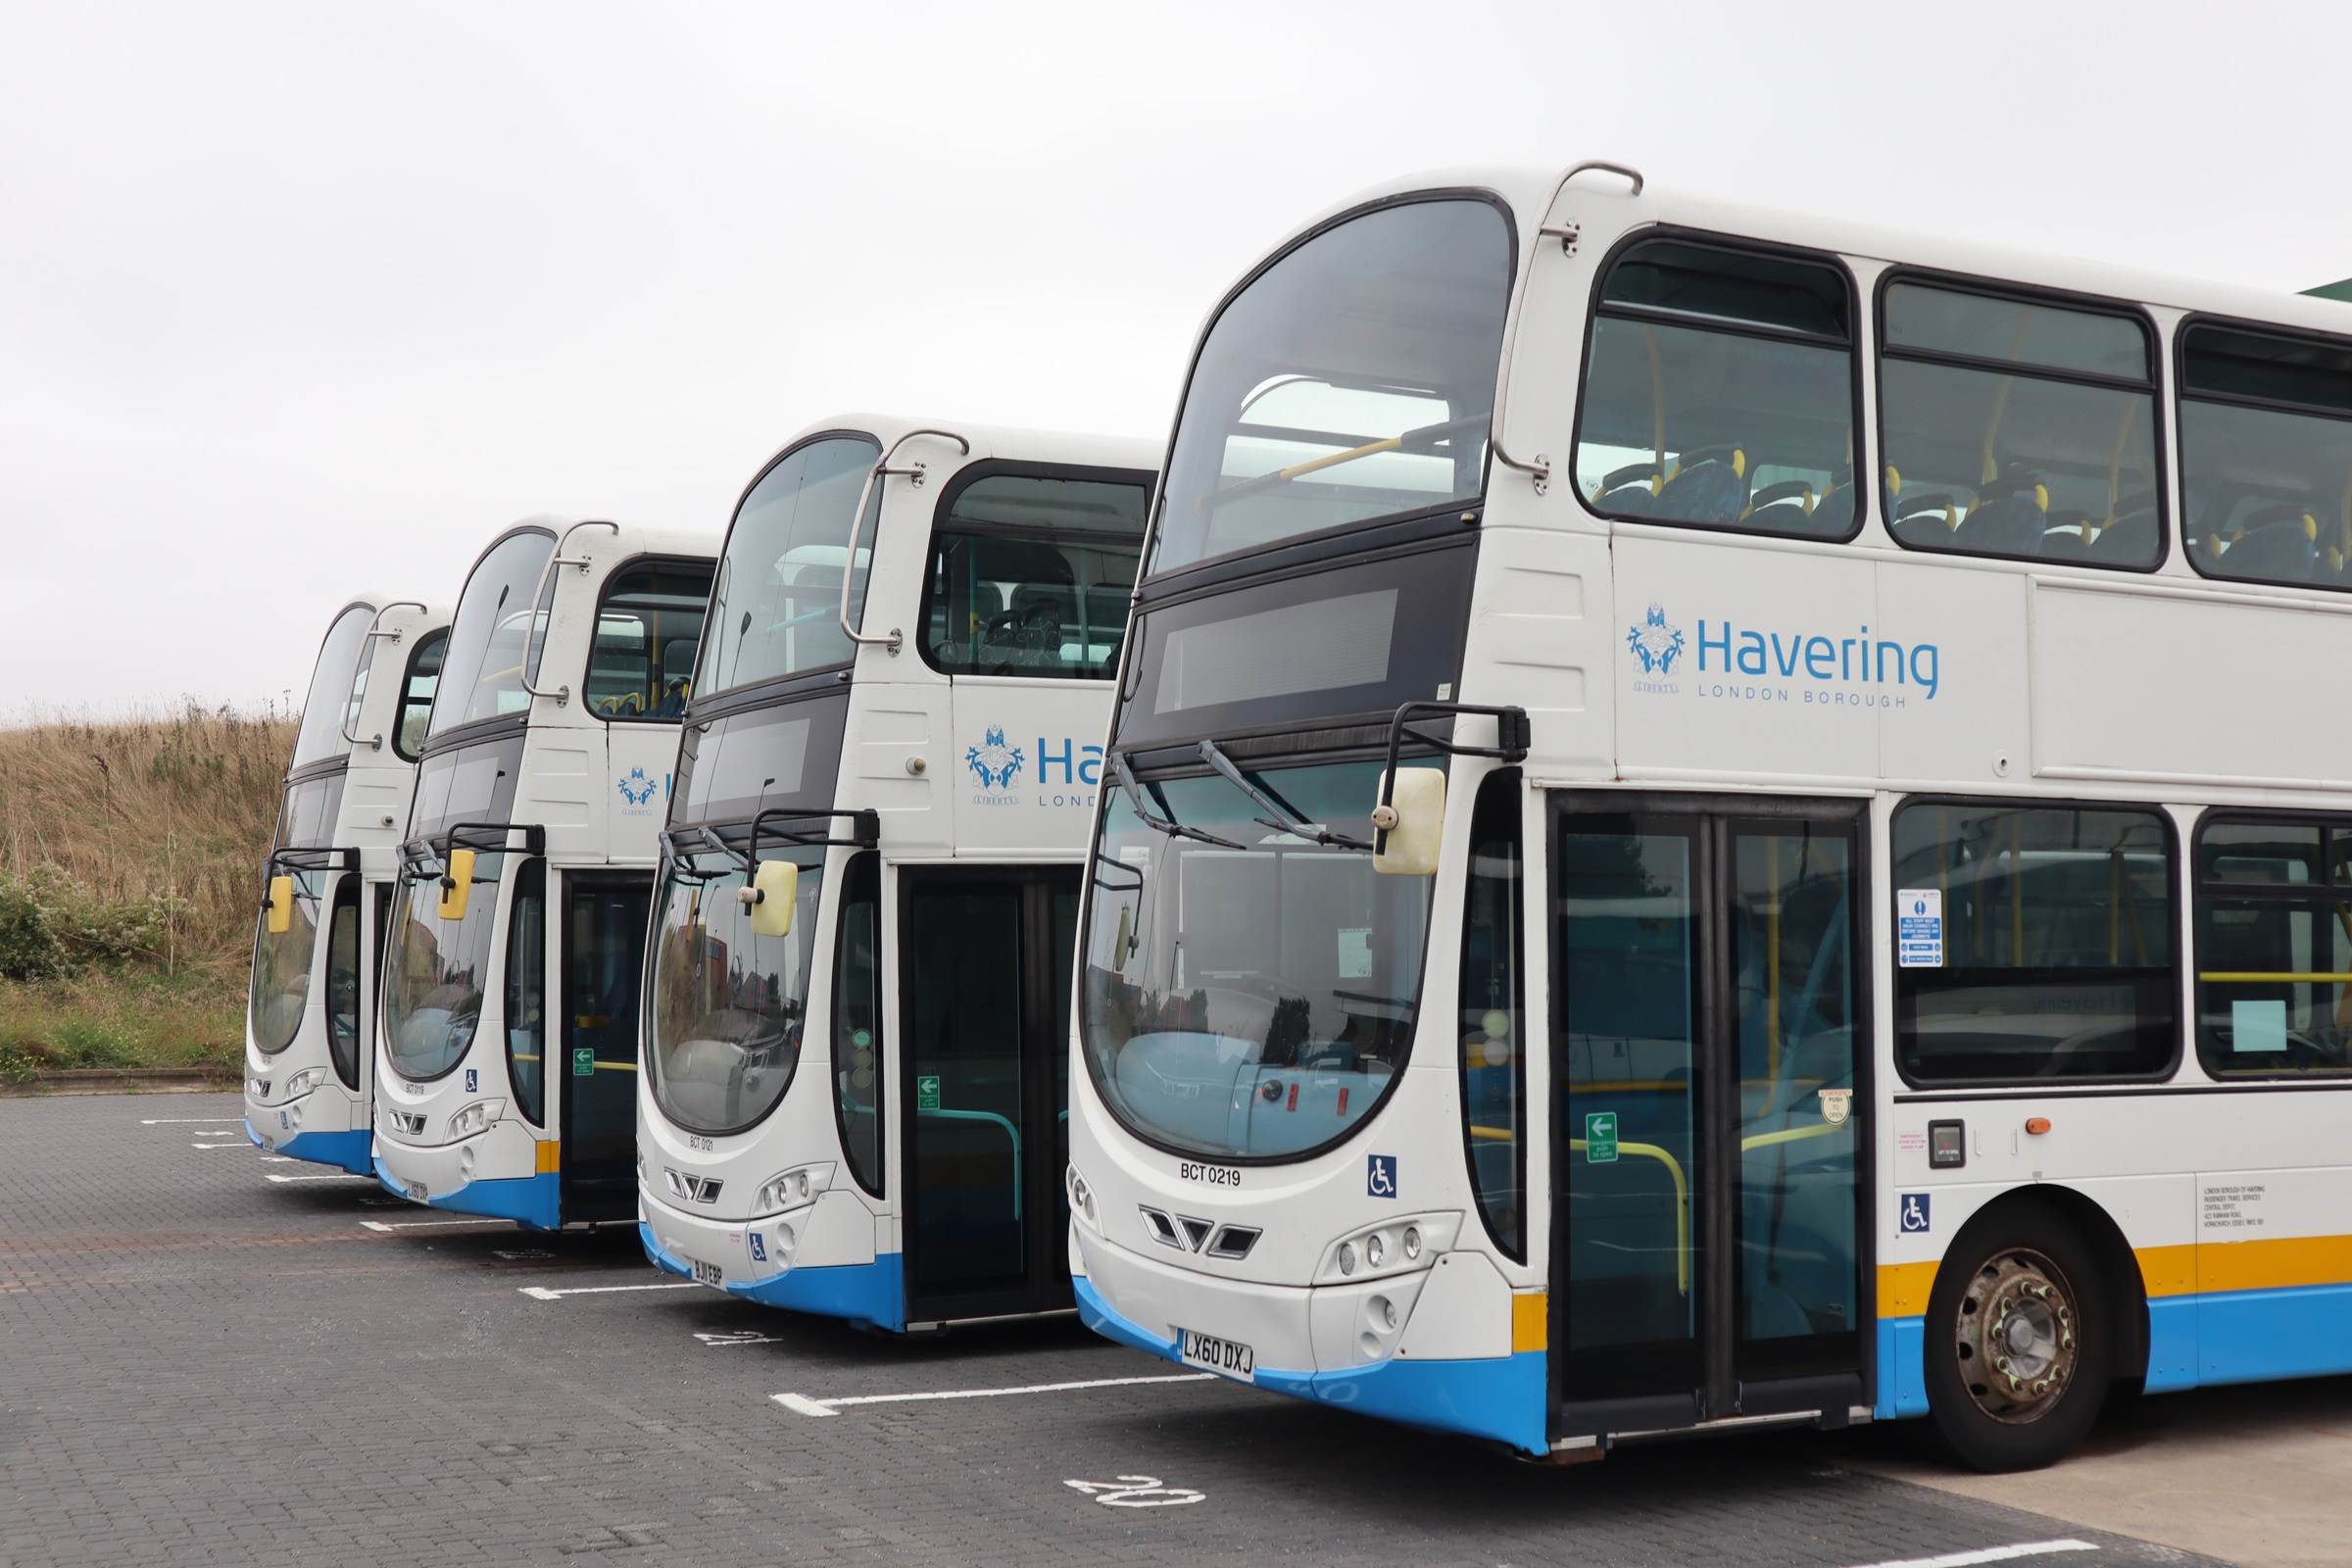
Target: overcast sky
pixel 300 299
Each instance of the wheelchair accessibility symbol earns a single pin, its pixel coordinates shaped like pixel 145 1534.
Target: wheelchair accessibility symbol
pixel 1380 1175
pixel 1913 1214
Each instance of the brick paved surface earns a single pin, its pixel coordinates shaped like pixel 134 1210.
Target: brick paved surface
pixel 201 1365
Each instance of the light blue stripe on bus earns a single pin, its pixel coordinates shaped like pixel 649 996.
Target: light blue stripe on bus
pixel 872 1294
pixel 533 1200
pixel 1903 1374
pixel 2297 1332
pixel 347 1151
pixel 1499 1396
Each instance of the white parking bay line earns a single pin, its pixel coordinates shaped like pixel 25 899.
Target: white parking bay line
pixel 335 1176
pixel 804 1405
pixel 239 1144
pixel 423 1224
pixel 1984 1554
pixel 177 1121
pixel 540 1293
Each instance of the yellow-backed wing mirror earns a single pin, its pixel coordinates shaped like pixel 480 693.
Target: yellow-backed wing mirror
pixel 456 883
pixel 775 887
pixel 280 905
pixel 1414 819
pixel 1123 944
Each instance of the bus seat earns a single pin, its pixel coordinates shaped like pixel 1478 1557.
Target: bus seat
pixel 1708 484
pixel 1926 519
pixel 1632 490
pixel 2128 537
pixel 2286 547
pixel 1787 504
pixel 2009 516
pixel 1834 513
pixel 2068 534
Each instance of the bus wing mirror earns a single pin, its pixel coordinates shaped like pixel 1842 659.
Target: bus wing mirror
pixel 1122 945
pixel 280 906
pixel 775 889
pixel 456 883
pixel 1411 823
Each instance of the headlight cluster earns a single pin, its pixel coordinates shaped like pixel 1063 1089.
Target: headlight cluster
pixel 793 1187
pixel 474 1118
pixel 1082 1200
pixel 1398 1247
pixel 303 1082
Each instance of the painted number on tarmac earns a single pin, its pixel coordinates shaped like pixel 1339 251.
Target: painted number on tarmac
pixel 1137 1491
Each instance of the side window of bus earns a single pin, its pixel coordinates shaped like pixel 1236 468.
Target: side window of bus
pixel 2017 427
pixel 2032 944
pixel 1494 1061
pixel 1030 575
pixel 647 630
pixel 343 982
pixel 1720 391
pixel 2266 457
pixel 2274 907
pixel 526 991
pixel 857 1020
pixel 423 679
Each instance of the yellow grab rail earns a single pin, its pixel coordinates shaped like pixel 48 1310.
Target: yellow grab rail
pixel 1682 1203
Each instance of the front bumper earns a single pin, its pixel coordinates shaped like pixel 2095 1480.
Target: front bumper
pixel 819 1259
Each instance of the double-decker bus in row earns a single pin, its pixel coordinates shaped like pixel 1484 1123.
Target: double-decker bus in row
pixel 327 884
pixel 1717 820
pixel 506 1078
pixel 855 1092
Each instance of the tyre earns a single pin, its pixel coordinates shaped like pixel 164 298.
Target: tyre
pixel 2020 1346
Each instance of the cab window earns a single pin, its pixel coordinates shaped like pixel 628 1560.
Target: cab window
pixel 647 630
pixel 2014 427
pixel 1719 391
pixel 1031 573
pixel 2266 457
pixel 417 696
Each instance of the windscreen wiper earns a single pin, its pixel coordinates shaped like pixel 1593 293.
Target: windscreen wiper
pixel 1166 824
pixel 1423 442
pixel 1290 822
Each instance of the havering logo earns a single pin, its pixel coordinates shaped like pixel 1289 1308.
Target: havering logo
pixel 1656 644
pixel 636 787
pixel 996 763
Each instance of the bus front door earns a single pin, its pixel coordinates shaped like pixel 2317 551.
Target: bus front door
pixel 984 961
pixel 1710 1016
pixel 603 960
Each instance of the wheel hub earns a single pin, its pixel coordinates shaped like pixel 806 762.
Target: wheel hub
pixel 2016 1337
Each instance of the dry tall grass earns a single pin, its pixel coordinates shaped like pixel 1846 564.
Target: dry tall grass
pixel 181 803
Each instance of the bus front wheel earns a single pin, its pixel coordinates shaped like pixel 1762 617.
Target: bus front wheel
pixel 2019 1342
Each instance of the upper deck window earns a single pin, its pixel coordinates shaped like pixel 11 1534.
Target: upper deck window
pixel 2018 428
pixel 1353 379
pixel 323 708
pixel 777 609
pixel 1031 574
pixel 1720 391
pixel 2266 455
pixel 482 672
pixel 647 630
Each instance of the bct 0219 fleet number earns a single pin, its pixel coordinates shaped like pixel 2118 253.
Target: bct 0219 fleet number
pixel 1212 1175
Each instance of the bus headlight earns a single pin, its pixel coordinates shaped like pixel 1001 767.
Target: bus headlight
pixel 792 1188
pixel 1082 1200
pixel 303 1082
pixel 1400 1246
pixel 474 1118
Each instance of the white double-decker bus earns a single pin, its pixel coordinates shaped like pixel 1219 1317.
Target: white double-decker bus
pixel 1860 926
pixel 506 1078
pixel 858 1022
pixel 328 885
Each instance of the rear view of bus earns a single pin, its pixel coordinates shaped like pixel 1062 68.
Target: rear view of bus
pixel 509 1061
pixel 857 1040
pixel 327 887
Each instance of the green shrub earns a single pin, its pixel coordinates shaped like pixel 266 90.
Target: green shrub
pixel 28 944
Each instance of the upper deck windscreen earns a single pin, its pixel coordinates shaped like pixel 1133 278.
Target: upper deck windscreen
pixel 1352 379
pixel 482 671
pixel 776 609
pixel 647 630
pixel 322 710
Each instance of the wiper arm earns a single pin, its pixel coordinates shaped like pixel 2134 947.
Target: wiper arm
pixel 1168 825
pixel 1289 824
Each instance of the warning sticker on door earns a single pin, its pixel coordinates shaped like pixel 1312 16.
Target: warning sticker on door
pixel 1919 928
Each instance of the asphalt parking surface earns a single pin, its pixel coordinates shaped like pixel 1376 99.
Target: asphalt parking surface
pixel 200 1363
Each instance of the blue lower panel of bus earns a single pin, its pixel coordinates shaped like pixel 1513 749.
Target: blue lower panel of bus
pixel 533 1200
pixel 2227 1337
pixel 871 1294
pixel 1499 1396
pixel 350 1150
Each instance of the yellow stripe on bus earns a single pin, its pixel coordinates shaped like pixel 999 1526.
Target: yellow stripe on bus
pixel 1530 1321
pixel 549 1156
pixel 2272 1263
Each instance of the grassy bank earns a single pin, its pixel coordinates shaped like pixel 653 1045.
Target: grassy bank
pixel 129 873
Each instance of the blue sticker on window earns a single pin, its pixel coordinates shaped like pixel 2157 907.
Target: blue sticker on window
pixel 1914 1216
pixel 1380 1175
